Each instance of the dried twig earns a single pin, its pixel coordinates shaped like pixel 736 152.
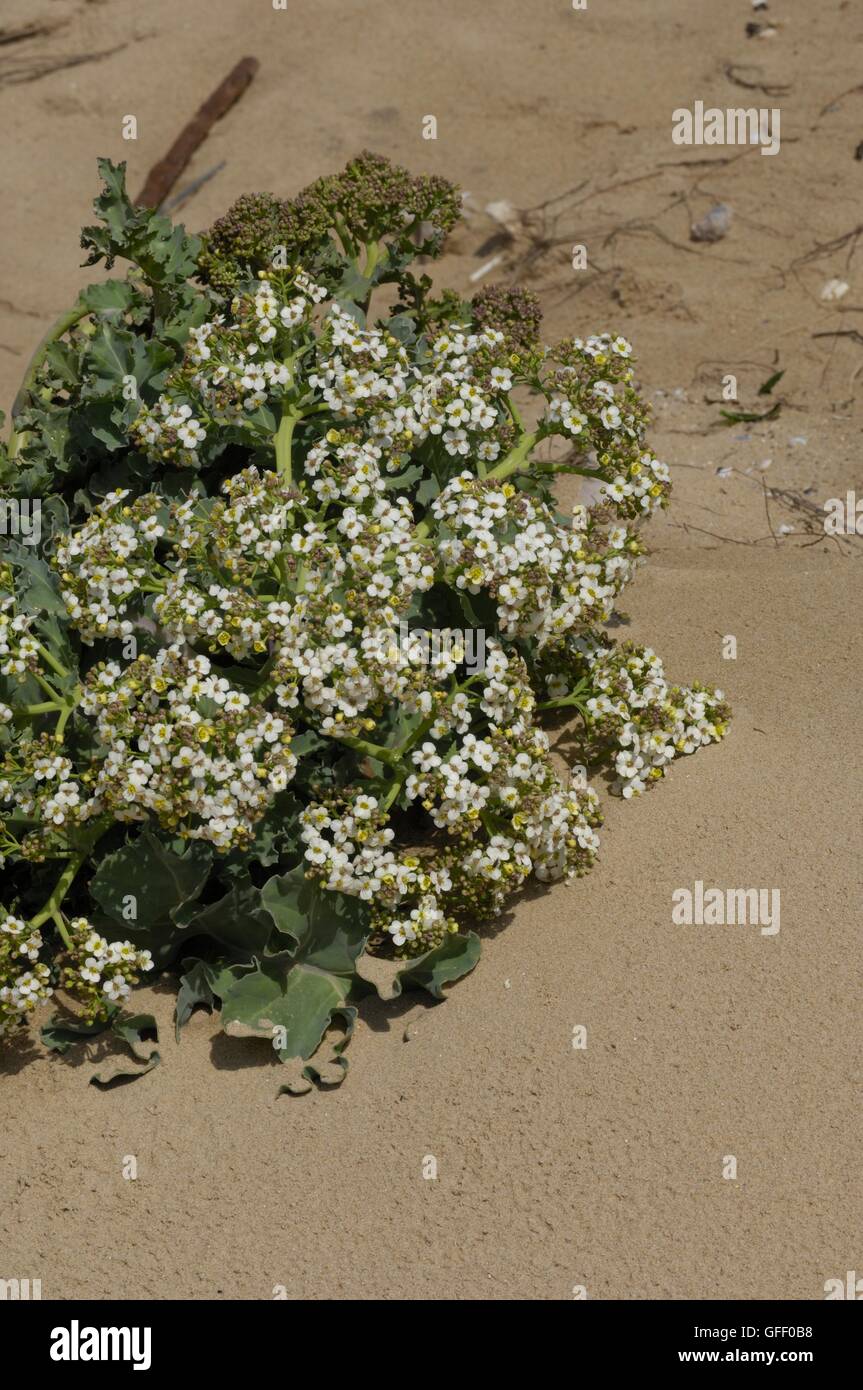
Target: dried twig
pixel 826 248
pixel 766 492
pixel 733 540
pixel 558 198
pixel 44 67
pixel 36 29
pixel 839 333
pixel 610 187
pixel 698 163
pixel 841 97
pixel 733 71
pixel 164 175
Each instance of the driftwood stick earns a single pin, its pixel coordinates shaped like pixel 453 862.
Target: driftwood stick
pixel 164 175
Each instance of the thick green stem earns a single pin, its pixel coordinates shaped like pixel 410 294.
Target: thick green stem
pixel 393 793
pixel 62 325
pixel 64 882
pixel 48 688
pixel 554 468
pixel 31 711
pixel 57 917
pixel 65 714
pixel 574 698
pixel 420 732
pixel 52 661
pixel 399 782
pixel 390 756
pixel 284 435
pixel 374 253
pixel 516 457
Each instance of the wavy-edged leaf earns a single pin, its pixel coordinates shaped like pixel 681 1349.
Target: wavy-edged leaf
pixel 160 882
pixel 59 1034
pixel 36 589
pixel 166 254
pixel 203 982
pixel 135 1030
pixel 109 296
pixel 456 956
pixel 327 1067
pixel 114 354
pixel 329 929
pixel 299 999
pixel 238 920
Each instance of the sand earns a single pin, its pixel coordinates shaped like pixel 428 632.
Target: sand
pixel 556 1167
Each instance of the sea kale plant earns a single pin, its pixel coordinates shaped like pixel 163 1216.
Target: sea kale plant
pixel 270 462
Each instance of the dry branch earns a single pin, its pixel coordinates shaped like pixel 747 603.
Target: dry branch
pixel 164 175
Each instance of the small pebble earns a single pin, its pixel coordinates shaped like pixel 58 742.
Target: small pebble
pixel 835 289
pixel 714 225
pixel 506 214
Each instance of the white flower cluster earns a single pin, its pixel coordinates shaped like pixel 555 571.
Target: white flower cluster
pixel 340 655
pixel 20 990
pixel 231 370
pixel 639 491
pixel 101 973
pixel 648 721
pixel 547 578
pixel 456 396
pixel 185 746
pixel 105 563
pixel 97 972
pixel 19 650
pixel 348 846
pixel 41 785
pixel 499 802
pixel 267 355
pixel 573 408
